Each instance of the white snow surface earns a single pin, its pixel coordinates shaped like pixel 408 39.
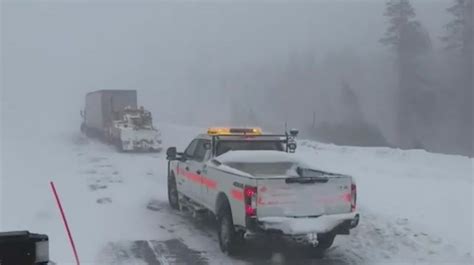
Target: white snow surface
pixel 416 207
pixel 242 156
pixel 432 192
pixel 232 170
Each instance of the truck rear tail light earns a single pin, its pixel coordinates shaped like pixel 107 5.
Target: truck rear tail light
pixel 250 199
pixel 353 197
pixel 249 211
pixel 250 192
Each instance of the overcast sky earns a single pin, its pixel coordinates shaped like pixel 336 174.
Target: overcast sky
pixel 53 52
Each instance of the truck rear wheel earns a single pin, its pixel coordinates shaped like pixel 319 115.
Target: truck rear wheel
pixel 85 130
pixel 173 198
pixel 228 238
pixel 325 241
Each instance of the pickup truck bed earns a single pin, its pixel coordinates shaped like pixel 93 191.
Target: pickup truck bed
pixel 293 201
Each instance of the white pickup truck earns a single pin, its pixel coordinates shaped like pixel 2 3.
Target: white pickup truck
pixel 255 187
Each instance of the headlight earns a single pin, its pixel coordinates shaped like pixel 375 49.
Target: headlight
pixel 292 146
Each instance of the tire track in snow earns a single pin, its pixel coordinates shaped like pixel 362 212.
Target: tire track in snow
pixel 153 252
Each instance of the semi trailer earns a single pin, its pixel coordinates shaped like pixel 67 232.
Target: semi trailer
pixel 114 116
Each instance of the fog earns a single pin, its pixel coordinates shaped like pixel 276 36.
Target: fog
pixel 218 63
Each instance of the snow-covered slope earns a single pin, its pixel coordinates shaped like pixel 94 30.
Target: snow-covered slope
pixel 416 207
pixel 428 196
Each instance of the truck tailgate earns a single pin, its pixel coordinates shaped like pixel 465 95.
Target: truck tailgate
pixel 293 197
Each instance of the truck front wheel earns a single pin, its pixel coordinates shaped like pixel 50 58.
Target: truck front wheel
pixel 228 238
pixel 173 198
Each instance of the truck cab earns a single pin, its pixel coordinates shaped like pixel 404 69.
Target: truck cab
pixel 134 130
pixel 254 186
pixel 192 164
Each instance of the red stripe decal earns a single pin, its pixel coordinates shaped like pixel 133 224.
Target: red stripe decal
pixel 237 194
pixel 210 183
pixel 198 179
pixel 193 177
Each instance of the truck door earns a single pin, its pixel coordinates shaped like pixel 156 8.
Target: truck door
pixel 201 155
pixel 183 180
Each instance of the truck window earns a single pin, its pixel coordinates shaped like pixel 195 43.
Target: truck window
pixel 200 151
pixel 136 121
pixel 189 152
pixel 225 146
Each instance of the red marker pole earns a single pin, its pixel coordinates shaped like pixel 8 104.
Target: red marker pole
pixel 58 201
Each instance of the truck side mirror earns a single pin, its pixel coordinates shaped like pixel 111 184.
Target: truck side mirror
pixel 171 153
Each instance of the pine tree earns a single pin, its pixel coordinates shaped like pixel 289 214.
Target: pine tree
pixel 460 29
pixel 412 45
pixel 401 14
pixel 460 34
pixel 405 35
pixel 352 112
pixel 459 38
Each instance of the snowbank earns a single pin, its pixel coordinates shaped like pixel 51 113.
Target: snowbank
pixel 432 192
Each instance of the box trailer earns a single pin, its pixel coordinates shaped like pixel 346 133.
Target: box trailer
pixel 114 116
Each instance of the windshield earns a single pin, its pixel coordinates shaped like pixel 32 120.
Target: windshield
pixel 136 121
pixel 225 146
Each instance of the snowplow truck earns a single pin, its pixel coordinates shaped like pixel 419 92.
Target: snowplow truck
pixel 113 116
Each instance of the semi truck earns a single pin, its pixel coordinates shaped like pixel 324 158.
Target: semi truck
pixel 114 116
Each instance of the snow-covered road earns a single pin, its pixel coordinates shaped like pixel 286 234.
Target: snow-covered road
pixel 416 207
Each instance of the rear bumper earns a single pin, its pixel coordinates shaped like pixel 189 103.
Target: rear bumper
pixel 296 227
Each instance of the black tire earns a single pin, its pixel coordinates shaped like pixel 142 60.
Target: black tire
pixel 85 130
pixel 325 241
pixel 118 145
pixel 229 239
pixel 173 197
